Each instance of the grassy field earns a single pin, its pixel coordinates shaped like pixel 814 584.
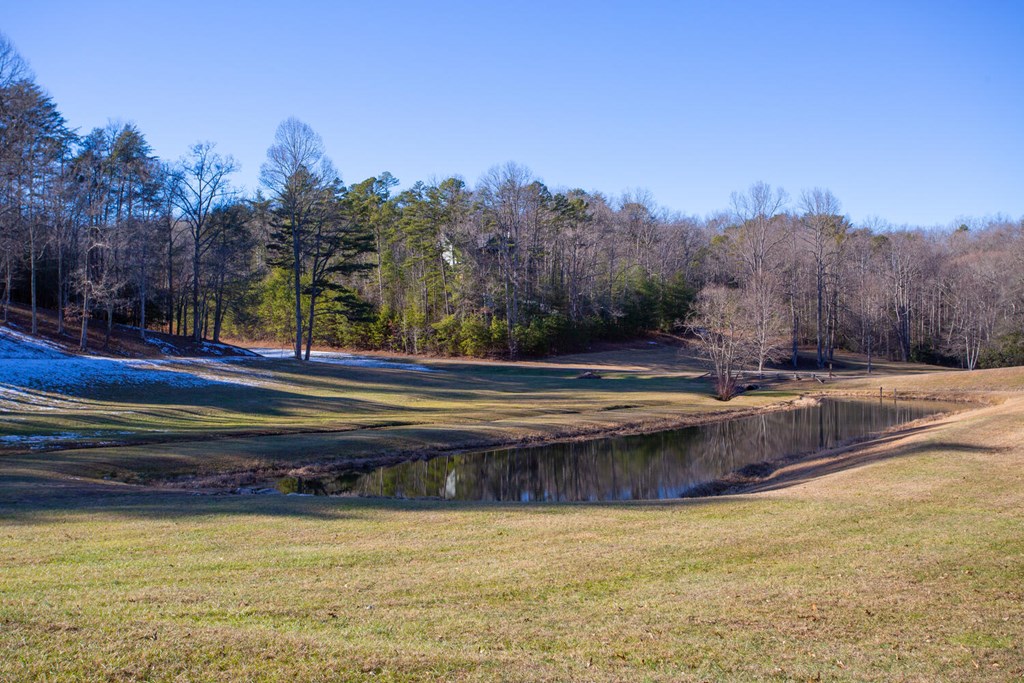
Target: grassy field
pixel 900 560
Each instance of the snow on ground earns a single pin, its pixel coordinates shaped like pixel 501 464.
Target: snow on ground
pixel 339 358
pixel 221 349
pixel 16 345
pixel 38 375
pixel 165 348
pixel 36 442
pixel 59 374
pixel 32 371
pixel 169 349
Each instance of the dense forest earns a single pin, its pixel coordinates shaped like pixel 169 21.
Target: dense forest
pixel 95 226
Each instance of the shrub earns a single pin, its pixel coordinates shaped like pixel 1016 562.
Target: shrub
pixel 447 338
pixel 475 337
pixel 1008 350
pixel 499 333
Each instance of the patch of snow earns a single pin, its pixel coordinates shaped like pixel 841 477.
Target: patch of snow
pixel 215 349
pixel 225 349
pixel 16 345
pixel 257 491
pixel 218 350
pixel 40 441
pixel 340 358
pixel 76 371
pixel 165 348
pixel 31 439
pixel 36 375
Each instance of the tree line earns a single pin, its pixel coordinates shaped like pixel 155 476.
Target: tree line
pixel 96 227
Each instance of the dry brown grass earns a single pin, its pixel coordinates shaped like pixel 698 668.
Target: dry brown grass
pixel 906 566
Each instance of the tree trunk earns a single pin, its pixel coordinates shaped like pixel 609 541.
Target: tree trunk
pixel 60 288
pixel 83 341
pixel 309 328
pixel 110 322
pixel 218 310
pixel 512 314
pixel 142 314
pixel 869 352
pixel 170 278
pixel 297 274
pixel 196 329
pixel 7 287
pixel 444 286
pixel 206 319
pixel 796 333
pixel 380 272
pixel 818 317
pixel 32 261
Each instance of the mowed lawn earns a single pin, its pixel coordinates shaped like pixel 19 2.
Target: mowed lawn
pixel 904 563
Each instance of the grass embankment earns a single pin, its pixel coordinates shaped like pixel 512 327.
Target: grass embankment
pixel 907 566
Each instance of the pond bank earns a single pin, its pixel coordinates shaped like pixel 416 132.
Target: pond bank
pixel 703 457
pixel 762 475
pixel 229 482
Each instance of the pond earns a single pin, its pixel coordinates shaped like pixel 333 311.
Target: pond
pixel 665 464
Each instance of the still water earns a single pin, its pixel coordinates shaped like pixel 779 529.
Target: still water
pixel 661 465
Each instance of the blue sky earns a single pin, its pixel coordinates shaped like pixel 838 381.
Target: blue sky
pixel 910 111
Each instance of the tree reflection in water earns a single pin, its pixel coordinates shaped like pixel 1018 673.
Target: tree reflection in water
pixel 651 466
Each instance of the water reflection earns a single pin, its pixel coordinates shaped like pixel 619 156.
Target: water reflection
pixel 662 465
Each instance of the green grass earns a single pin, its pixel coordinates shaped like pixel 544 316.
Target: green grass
pixel 906 567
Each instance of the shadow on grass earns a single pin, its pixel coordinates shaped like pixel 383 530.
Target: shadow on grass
pixel 25 500
pixel 818 465
pixel 312 387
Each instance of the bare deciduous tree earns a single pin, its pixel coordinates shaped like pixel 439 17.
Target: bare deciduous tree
pixel 506 193
pixel 823 230
pixel 720 322
pixel 200 181
pixel 760 239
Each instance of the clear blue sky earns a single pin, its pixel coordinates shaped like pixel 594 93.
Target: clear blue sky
pixel 911 111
